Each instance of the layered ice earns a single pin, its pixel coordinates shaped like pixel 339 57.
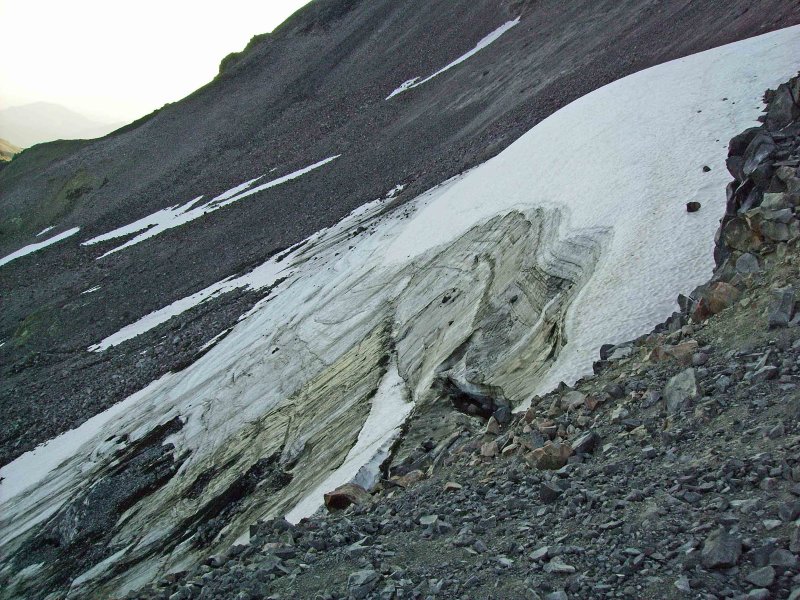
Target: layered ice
pixel 489 39
pixel 510 276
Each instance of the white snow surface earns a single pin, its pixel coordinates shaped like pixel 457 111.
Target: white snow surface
pixel 29 249
pixel 626 157
pixel 388 412
pixel 492 37
pixel 45 230
pixel 259 278
pixel 175 216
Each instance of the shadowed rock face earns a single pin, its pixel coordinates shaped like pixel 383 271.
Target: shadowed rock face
pixel 314 88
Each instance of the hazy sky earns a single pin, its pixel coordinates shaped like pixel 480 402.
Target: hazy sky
pixel 119 60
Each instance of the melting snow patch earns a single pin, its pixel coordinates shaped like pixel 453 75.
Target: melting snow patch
pixel 175 216
pixel 492 37
pixel 257 279
pixel 45 230
pixel 90 290
pixel 38 246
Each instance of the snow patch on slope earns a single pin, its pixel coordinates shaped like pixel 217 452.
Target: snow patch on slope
pixel 492 37
pixel 175 216
pixel 38 246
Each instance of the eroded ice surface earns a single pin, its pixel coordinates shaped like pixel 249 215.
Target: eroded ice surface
pixel 175 216
pixel 31 248
pixel 574 236
pixel 492 37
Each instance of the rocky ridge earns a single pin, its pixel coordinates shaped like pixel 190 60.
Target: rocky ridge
pixel 672 472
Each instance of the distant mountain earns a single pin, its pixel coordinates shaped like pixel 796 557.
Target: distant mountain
pixel 39 122
pixel 8 150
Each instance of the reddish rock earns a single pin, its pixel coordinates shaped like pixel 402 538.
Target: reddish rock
pixel 739 235
pixel 344 496
pixel 681 353
pixel 551 456
pixel 547 428
pixel 408 479
pixel 722 295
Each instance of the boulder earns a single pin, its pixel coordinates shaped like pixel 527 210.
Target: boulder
pixel 759 151
pixel 344 496
pixel 572 400
pixel 361 583
pixel 775 201
pixel 748 263
pixel 722 295
pixel 781 309
pixel 738 234
pixel 721 550
pixel 692 207
pixel 740 142
pixel 585 443
pixel 549 492
pixel 682 352
pixel 680 391
pixel 551 456
pixel 783 107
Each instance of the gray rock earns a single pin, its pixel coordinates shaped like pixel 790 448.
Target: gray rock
pixel 680 391
pixel 776 201
pixel 783 107
pixel 748 263
pixel 789 511
pixel 783 558
pixel 361 583
pixel 775 231
pixel 763 577
pixel 559 595
pixel 540 554
pixel 559 567
pixel 649 452
pixel 682 583
pixel 721 550
pixel 585 443
pixel 758 152
pixel 548 492
pixel 781 308
pixel 794 541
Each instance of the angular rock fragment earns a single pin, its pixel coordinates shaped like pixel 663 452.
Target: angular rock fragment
pixel 721 550
pixel 344 496
pixel 680 391
pixel 551 456
pixel 781 309
pixel 361 583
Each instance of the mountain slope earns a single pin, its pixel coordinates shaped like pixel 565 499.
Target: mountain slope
pixel 40 122
pixel 316 88
pixel 8 150
pixel 470 292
